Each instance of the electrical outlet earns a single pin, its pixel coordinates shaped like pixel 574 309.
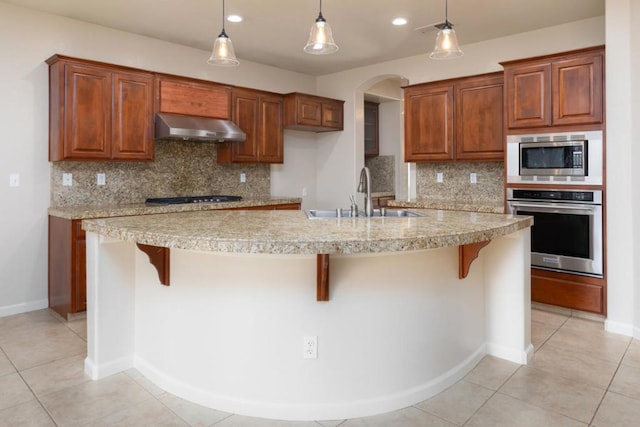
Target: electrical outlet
pixel 439 177
pixel 473 178
pixel 304 191
pixel 67 179
pixel 101 179
pixel 14 180
pixel 310 347
pixel 243 177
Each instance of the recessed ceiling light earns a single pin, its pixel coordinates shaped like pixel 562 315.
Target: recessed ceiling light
pixel 234 18
pixel 399 21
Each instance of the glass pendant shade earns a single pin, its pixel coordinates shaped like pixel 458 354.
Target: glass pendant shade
pixel 446 44
pixel 320 38
pixel 223 53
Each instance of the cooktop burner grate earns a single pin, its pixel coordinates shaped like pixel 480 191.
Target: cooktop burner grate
pixel 191 199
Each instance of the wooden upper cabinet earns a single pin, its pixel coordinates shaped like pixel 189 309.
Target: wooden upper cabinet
pixel 457 119
pixel 371 129
pixel 99 112
pixel 479 119
pixel 428 122
pixel 529 96
pixel 313 113
pixel 193 97
pixel 557 90
pixel 260 116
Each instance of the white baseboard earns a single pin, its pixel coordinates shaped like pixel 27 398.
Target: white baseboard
pixel 622 329
pixel 9 310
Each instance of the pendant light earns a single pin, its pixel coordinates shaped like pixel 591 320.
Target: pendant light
pixel 223 53
pixel 446 41
pixel 321 39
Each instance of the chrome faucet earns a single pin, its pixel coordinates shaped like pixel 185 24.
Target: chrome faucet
pixel 365 188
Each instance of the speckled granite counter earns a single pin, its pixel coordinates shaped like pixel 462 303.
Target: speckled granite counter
pixel 291 232
pixel 88 211
pixel 487 207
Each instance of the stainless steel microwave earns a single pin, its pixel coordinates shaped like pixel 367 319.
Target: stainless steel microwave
pixel 563 158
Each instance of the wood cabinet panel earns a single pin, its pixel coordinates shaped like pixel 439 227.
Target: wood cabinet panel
pixel 193 98
pixel 99 112
pixel 260 116
pixel 371 129
pixel 577 90
pixel 313 113
pixel 428 123
pixel 568 290
pixel 132 106
pixel 565 89
pixel 479 119
pixel 67 266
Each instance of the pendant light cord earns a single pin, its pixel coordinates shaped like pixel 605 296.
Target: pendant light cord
pixel 223 16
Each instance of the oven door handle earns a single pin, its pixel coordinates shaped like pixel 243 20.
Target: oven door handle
pixel 556 208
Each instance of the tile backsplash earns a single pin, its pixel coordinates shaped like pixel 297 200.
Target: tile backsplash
pixel 456 185
pixel 179 169
pixel 382 169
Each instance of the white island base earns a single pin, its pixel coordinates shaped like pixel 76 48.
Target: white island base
pixel 228 332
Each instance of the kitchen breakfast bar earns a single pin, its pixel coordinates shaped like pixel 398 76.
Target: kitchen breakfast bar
pixel 213 306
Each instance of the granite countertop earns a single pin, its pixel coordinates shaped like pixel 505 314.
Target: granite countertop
pixel 106 211
pixel 454 205
pixel 291 232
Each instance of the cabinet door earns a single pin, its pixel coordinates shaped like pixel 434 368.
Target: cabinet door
pixel 132 116
pixel 193 98
pixel 245 115
pixel 79 276
pixel 332 115
pixel 371 130
pixel 309 111
pixel 271 129
pixel 87 114
pixel 428 123
pixel 577 90
pixel 479 123
pixel 528 95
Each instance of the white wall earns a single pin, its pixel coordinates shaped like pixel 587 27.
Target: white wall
pixel 623 174
pixel 28 38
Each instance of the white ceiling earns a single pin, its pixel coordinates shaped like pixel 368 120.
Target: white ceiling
pixel 274 31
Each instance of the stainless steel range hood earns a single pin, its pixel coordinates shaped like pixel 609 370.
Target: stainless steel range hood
pixel 193 128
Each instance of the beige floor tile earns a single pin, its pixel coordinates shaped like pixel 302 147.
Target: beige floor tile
pixel 579 324
pixel 552 392
pixel 505 411
pixel 54 376
pixel 492 372
pixel 93 399
pixel 617 411
pixel 13 391
pixel 145 382
pixel 540 333
pixel 333 423
pixel 79 326
pixel 578 366
pixel 194 415
pixel 6 367
pixel 627 382
pixel 548 318
pixel 457 403
pixel 408 417
pixel 590 339
pixel 242 421
pixel 45 344
pixel 29 414
pixel 20 323
pixel 148 413
pixel 632 356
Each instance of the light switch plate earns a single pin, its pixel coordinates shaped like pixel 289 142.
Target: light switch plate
pixel 473 178
pixel 14 180
pixel 101 179
pixel 67 179
pixel 439 177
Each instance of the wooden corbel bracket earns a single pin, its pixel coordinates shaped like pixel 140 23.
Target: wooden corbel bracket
pixel 466 255
pixel 159 258
pixel 322 277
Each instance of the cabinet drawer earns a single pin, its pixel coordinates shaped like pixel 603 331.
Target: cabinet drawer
pixel 567 293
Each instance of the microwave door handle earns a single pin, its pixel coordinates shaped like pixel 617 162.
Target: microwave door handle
pixel 556 208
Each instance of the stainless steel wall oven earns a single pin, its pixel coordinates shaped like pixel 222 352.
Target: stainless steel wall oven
pixel 567 231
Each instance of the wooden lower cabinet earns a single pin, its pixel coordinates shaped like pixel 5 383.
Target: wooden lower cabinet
pixel 569 290
pixel 68 262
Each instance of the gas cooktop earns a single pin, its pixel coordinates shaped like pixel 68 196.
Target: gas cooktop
pixel 192 199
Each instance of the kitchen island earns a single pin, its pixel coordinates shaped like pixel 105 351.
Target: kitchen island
pixel 399 326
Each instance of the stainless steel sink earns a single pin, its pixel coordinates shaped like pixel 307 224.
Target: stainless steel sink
pixel 346 213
